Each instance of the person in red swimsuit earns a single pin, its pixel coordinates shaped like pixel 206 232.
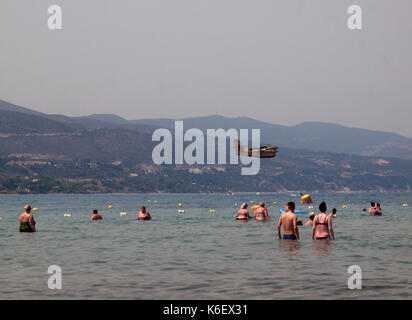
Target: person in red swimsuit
pixel 96 215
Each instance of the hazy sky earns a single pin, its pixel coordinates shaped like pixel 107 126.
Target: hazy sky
pixel 284 61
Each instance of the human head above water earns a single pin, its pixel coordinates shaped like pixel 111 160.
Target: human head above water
pixel 95 211
pixel 27 208
pixel 290 206
pixel 243 206
pixel 311 215
pixel 372 204
pixel 262 204
pixel 322 207
pixel 143 209
pixel 378 205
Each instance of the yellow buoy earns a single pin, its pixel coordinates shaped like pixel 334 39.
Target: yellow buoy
pixel 405 204
pixel 212 211
pixel 252 201
pixel 110 207
pixel 275 203
pixel 181 211
pixel 344 206
pixel 155 201
pixel 35 209
pixel 149 201
pixel 123 213
pixel 67 215
pixel 236 204
pixel 310 207
pixel 180 205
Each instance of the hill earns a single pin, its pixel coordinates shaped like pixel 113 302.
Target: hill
pixel 104 153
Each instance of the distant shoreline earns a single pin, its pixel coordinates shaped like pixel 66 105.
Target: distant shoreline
pixel 211 193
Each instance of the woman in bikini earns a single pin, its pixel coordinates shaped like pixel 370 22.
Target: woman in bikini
pixel 322 225
pixel 26 221
pixel 243 213
pixel 261 213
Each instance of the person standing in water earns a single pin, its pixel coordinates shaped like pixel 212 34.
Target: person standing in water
pixel 143 214
pixel 322 225
pixel 261 213
pixel 26 221
pixel 289 222
pixel 334 213
pixel 243 213
pixel 96 215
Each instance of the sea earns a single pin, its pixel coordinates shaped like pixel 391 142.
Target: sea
pixel 199 254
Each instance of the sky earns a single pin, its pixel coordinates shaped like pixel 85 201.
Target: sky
pixel 284 62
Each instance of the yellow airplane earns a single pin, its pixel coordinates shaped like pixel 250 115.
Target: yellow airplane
pixel 262 152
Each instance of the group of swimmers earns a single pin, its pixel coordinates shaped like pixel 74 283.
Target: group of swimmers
pixel 374 210
pixel 27 223
pixel 261 213
pixel 321 224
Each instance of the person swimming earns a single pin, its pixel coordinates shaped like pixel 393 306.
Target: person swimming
pixel 289 221
pixel 378 210
pixel 322 225
pixel 243 213
pixel 372 209
pixel 26 221
pixel 310 222
pixel 143 214
pixel 96 215
pixel 261 213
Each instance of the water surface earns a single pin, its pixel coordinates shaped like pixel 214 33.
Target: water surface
pixel 198 254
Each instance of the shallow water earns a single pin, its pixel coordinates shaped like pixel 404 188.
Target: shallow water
pixel 198 254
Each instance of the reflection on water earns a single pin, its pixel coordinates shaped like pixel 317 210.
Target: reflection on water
pixel 323 248
pixel 198 255
pixel 290 247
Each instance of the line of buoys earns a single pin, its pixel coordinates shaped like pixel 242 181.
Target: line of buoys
pixel 123 214
pixel 110 207
pixel 67 215
pixel 212 211
pixel 405 204
pixel 181 211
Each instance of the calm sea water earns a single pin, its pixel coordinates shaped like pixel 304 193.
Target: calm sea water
pixel 198 254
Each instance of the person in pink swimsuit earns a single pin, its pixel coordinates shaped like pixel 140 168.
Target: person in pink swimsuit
pixel 322 225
